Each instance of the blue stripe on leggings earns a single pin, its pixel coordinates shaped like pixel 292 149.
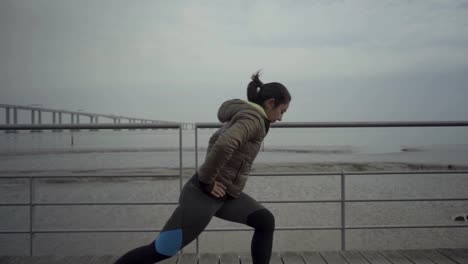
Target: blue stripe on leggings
pixel 169 242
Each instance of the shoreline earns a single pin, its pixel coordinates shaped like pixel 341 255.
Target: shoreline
pixel 315 149
pixel 299 167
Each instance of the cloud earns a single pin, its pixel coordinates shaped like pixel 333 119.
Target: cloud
pixel 462 5
pixel 162 49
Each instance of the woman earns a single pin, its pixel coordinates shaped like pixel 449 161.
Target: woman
pixel 216 188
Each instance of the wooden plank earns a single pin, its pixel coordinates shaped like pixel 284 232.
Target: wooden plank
pixel 354 257
pixel 333 257
pixel 7 260
pixel 229 258
pixel 457 255
pixel 208 258
pixel 313 258
pixel 395 257
pixel 374 257
pixel 188 258
pixel 245 258
pixel 292 258
pixel 440 256
pixel 109 259
pixel 415 257
pixel 66 259
pixel 74 260
pixel 59 259
pixel 13 259
pixel 90 260
pixel 275 258
pixel 436 257
pixel 47 259
pixel 40 259
pixel 22 260
pixel 171 260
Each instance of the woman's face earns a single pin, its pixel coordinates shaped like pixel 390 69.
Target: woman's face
pixel 275 113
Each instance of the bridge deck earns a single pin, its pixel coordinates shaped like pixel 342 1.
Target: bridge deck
pixel 433 256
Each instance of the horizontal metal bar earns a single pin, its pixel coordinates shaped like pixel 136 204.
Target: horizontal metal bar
pixel 234 229
pixel 104 204
pixel 14 204
pixel 277 174
pixel 350 173
pixel 266 174
pixel 404 227
pixel 91 176
pixel 276 229
pixel 95 231
pixel 158 203
pixel 297 201
pixel 354 173
pixel 159 230
pixel 15 232
pixel 338 228
pixel 89 126
pixel 260 201
pixel 353 124
pixel 174 203
pixel 407 200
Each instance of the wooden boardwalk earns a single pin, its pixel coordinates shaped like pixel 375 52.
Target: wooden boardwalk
pixel 434 256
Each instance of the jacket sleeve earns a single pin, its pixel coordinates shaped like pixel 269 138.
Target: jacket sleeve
pixel 244 128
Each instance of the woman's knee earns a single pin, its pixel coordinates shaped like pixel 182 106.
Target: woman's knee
pixel 262 220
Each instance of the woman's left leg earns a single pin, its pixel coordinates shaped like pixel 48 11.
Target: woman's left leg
pixel 247 210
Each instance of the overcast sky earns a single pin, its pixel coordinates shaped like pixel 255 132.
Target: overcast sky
pixel 362 60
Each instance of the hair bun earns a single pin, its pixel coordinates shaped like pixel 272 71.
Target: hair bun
pixel 256 79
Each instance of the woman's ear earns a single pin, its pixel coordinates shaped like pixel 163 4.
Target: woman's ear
pixel 270 103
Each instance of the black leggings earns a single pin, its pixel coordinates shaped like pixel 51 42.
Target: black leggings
pixel 191 217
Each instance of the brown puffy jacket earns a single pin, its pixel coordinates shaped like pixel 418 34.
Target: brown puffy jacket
pixel 233 148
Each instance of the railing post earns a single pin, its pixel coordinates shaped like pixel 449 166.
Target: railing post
pixel 196 169
pixel 180 165
pixel 180 156
pixel 31 196
pixel 196 146
pixel 343 212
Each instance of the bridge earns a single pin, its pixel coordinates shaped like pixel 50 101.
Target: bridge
pixel 72 117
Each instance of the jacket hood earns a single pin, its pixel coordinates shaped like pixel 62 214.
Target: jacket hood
pixel 231 107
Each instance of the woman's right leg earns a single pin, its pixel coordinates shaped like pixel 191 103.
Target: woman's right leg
pixel 190 218
pixel 247 210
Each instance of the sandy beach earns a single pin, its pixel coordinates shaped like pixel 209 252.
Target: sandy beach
pixel 283 195
pixel 288 213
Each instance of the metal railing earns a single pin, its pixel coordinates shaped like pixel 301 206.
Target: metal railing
pixel 32 204
pixel 343 201
pixel 342 174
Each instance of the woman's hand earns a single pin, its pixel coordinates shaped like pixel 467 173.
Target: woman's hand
pixel 219 190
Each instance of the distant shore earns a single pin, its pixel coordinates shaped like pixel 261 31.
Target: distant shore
pixel 275 159
pixel 257 168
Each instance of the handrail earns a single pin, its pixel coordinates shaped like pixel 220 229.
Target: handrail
pixel 353 124
pixel 89 126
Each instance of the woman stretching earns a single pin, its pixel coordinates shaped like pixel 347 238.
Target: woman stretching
pixel 216 187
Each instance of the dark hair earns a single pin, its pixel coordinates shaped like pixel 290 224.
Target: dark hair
pixel 258 92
